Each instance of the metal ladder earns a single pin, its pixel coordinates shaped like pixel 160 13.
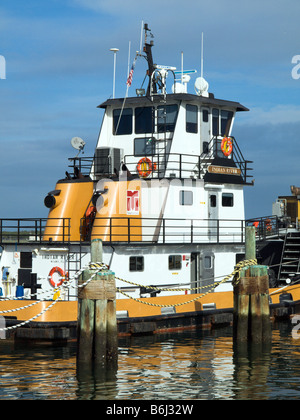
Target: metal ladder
pixel 162 143
pixel 290 257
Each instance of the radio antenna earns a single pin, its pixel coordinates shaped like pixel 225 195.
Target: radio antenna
pixel 202 55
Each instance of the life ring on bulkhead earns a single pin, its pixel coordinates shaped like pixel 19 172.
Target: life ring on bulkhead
pixel 62 274
pixel 226 146
pixel 145 167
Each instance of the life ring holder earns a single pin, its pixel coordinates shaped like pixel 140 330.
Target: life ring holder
pixel 226 146
pixel 145 167
pixel 62 274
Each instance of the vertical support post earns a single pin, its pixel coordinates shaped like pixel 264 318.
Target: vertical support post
pixel 250 243
pixel 97 324
pixel 251 315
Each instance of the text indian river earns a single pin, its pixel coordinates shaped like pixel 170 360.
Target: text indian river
pixel 187 366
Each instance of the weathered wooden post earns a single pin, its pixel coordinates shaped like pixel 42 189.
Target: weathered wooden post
pixel 97 325
pixel 251 315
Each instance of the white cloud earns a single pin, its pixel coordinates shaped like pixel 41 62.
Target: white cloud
pixel 276 115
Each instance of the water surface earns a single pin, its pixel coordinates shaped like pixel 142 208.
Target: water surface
pixel 186 366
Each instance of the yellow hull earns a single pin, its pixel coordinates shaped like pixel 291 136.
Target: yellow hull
pixel 66 311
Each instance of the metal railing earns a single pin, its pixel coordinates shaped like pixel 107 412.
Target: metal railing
pixel 213 150
pixel 267 226
pixel 164 230
pixel 34 230
pixel 165 165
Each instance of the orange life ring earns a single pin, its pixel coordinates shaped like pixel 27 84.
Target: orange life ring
pixel 61 272
pixel 145 167
pixel 226 146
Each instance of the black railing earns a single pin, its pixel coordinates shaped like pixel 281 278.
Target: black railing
pixel 136 229
pixel 213 150
pixel 34 230
pixel 267 226
pixel 163 165
pixel 164 231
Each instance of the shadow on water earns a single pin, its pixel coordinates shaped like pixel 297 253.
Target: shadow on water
pixel 185 366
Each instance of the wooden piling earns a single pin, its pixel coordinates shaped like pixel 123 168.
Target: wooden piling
pixel 97 324
pixel 251 316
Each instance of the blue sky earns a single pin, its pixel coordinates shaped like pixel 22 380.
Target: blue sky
pixel 59 68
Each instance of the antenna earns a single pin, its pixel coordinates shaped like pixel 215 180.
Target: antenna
pixel 141 40
pixel 201 85
pixel 114 50
pixel 202 55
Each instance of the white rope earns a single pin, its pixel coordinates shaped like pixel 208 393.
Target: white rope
pixel 63 286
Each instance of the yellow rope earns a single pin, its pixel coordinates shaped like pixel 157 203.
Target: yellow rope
pixel 235 274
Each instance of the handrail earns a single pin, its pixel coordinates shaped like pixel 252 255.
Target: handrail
pixel 179 165
pixel 28 230
pixel 266 226
pixel 164 230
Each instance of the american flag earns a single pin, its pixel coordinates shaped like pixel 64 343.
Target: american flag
pixel 129 80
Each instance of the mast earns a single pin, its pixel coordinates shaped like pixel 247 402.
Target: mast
pixel 148 50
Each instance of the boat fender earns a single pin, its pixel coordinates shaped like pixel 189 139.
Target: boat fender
pixel 226 146
pixel 285 297
pixel 62 274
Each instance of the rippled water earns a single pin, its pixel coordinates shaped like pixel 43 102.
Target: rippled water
pixel 185 366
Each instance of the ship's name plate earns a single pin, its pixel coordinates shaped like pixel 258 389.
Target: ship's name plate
pixel 223 170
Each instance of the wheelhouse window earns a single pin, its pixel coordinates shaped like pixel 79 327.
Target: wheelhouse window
pixel 175 262
pixel 213 200
pixel 226 119
pixel 186 198
pixel 205 115
pixel 166 118
pixel 227 200
pixel 191 118
pixel 136 264
pixel 144 146
pixel 215 122
pixel 144 120
pixel 122 121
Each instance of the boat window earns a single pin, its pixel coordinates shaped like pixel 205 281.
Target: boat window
pixel 215 122
pixel 144 146
pixel 136 264
pixel 191 118
pixel 226 119
pixel 143 120
pixel 207 262
pixel 175 262
pixel 122 125
pixel 227 200
pixel 205 115
pixel 186 198
pixel 166 118
pixel 205 147
pixel 213 200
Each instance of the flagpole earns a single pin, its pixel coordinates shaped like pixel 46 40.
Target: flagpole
pixel 128 83
pixel 128 58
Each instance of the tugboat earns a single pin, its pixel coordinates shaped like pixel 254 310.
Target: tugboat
pixel 164 194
